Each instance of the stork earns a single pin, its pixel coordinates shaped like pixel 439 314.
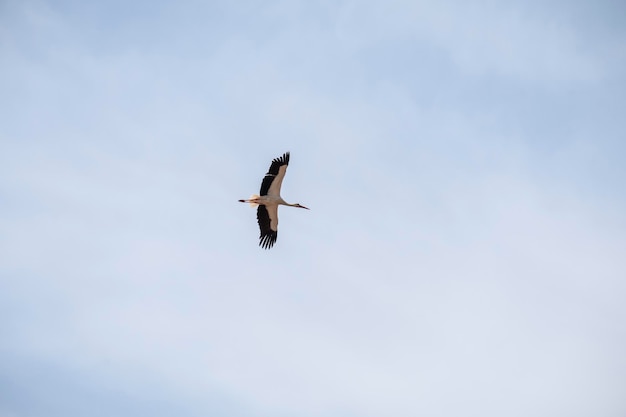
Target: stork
pixel 268 201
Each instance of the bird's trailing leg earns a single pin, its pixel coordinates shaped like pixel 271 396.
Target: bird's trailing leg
pixel 253 200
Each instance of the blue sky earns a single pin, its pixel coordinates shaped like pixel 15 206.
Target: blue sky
pixel 464 166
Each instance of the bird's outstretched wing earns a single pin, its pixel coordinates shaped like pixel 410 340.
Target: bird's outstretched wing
pixel 267 217
pixel 274 177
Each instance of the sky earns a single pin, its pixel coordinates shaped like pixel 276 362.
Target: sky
pixel 464 166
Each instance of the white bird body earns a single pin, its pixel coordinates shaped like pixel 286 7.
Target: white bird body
pixel 268 201
pixel 256 199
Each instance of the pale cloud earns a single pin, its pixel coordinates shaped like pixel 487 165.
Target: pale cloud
pixel 510 41
pixel 524 42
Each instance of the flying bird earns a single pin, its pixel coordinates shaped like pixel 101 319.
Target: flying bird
pixel 268 201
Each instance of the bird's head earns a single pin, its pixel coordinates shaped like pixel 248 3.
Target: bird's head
pixel 301 206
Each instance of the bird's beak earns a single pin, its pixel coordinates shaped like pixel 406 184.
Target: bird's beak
pixel 304 207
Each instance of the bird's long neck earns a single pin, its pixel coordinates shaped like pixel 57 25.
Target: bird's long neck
pixel 284 203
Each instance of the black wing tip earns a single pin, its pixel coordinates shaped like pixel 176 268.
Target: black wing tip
pixel 268 240
pixel 283 160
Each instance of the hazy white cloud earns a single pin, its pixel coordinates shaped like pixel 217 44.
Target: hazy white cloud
pixel 521 41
